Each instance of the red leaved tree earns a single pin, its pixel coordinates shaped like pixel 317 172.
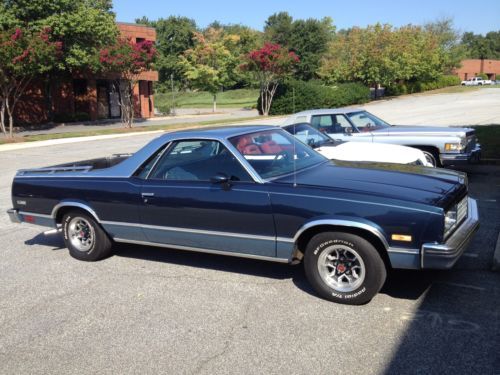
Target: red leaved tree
pixel 23 56
pixel 270 65
pixel 127 60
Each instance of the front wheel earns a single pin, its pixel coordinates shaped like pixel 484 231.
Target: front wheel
pixel 84 238
pixel 344 268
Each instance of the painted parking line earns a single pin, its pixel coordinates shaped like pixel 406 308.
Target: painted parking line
pixel 468 286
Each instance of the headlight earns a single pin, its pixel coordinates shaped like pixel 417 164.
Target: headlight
pixel 453 146
pixel 450 220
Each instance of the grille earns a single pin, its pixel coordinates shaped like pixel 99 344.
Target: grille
pixel 462 210
pixel 471 143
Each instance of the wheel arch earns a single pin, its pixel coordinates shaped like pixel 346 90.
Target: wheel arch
pixel 370 232
pixel 63 207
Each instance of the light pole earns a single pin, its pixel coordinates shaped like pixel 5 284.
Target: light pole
pixel 172 111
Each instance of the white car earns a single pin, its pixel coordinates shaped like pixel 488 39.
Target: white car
pixel 476 81
pixel 357 151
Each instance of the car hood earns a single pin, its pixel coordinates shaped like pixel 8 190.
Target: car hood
pixel 430 186
pixel 398 130
pixel 374 152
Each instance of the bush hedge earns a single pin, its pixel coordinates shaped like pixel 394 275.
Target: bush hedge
pixel 296 96
pixel 413 87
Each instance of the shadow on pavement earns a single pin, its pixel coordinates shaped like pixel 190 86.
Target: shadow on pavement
pixel 455 329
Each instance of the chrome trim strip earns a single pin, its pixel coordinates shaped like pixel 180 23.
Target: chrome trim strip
pixel 343 223
pixel 403 251
pixel 201 250
pixel 35 214
pixel 74 204
pixel 190 230
pixel 285 239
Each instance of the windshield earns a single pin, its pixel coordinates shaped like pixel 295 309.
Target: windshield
pixel 366 122
pixel 274 153
pixel 309 135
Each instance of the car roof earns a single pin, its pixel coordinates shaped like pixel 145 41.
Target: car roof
pixel 329 111
pixel 218 132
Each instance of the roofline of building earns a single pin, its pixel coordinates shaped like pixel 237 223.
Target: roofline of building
pixel 135 24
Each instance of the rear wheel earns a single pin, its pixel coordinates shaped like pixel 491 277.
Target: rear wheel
pixel 344 268
pixel 84 237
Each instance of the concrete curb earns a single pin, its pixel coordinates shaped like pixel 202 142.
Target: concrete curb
pixel 60 141
pixel 496 256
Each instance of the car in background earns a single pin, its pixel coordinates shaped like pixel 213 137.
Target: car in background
pixel 476 81
pixel 442 145
pixel 255 192
pixel 357 151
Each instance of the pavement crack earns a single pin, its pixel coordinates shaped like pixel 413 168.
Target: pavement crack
pixel 227 343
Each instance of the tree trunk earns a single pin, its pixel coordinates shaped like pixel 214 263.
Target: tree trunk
pixel 2 118
pixel 214 107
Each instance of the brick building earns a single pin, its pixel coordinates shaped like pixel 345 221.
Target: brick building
pixel 87 96
pixel 473 67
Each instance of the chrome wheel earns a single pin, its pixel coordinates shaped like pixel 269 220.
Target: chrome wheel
pixel 341 268
pixel 430 158
pixel 81 234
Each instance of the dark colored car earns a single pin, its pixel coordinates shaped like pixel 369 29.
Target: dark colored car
pixel 256 192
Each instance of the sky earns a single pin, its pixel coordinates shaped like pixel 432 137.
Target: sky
pixel 478 16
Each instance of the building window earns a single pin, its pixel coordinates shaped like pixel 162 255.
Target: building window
pixel 139 40
pixel 80 87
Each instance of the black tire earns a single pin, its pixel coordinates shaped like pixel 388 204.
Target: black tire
pixel 92 244
pixel 370 270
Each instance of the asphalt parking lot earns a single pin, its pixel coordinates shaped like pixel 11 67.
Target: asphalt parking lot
pixel 149 310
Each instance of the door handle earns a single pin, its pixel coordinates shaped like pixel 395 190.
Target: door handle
pixel 147 195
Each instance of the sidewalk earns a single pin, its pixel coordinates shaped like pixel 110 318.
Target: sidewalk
pixel 183 116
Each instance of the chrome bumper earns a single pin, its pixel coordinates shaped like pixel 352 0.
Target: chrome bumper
pixel 473 156
pixel 14 216
pixel 444 256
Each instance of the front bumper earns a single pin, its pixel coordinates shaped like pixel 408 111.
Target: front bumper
pixel 444 256
pixel 473 156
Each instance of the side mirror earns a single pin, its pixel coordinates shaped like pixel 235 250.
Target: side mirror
pixel 348 131
pixel 221 179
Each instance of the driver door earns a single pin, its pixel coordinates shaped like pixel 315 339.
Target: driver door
pixel 185 207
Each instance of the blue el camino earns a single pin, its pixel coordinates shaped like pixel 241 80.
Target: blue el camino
pixel 257 192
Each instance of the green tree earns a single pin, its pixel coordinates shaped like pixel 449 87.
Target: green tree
pixel 23 56
pixel 174 35
pixel 83 26
pixel 307 38
pixel 482 47
pixel 278 28
pixel 449 39
pixel 380 55
pixel 210 65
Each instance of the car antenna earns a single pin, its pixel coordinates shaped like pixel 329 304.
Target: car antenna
pixel 294 156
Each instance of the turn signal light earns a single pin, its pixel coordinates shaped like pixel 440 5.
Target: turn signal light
pixel 401 237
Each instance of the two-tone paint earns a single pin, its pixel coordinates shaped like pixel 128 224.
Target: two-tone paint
pixel 263 219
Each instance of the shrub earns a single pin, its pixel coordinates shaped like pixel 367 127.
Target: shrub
pixel 482 75
pixel 296 96
pixel 71 117
pixel 164 107
pixel 418 86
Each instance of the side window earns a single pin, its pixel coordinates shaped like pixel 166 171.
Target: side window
pixel 342 125
pixel 197 160
pixel 323 123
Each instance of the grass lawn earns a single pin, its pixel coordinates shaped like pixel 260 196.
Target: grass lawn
pixel 169 127
pixel 241 98
pixel 489 138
